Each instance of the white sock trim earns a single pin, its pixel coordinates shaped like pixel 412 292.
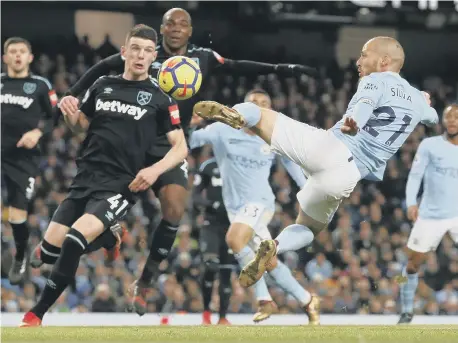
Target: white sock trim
pixel 76 239
pixel 17 222
pixel 49 253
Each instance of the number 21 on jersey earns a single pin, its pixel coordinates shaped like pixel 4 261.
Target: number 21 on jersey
pixel 389 118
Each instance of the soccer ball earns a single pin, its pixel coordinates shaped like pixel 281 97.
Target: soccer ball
pixel 180 77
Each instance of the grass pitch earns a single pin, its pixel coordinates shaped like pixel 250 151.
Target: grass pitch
pixel 232 334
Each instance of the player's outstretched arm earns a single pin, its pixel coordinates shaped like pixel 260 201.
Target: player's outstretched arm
pixel 77 122
pixel 260 68
pixel 176 154
pixel 147 176
pixel 113 62
pixel 204 136
pixel 75 119
pixel 415 178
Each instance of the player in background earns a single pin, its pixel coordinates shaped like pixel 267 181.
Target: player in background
pixel 216 255
pixel 27 114
pixel 171 187
pixel 123 116
pixel 380 116
pixel 436 164
pixel 245 162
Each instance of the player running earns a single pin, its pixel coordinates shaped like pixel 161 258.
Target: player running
pixel 245 162
pixel 379 118
pixel 436 163
pixel 27 111
pixel 127 113
pixel 216 255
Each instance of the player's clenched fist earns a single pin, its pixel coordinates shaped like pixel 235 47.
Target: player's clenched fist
pixel 427 97
pixel 412 212
pixel 30 139
pixel 350 126
pixel 69 105
pixel 144 179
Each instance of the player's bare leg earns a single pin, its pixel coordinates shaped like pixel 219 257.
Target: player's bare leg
pixel 48 250
pixel 173 199
pixel 18 221
pixel 238 236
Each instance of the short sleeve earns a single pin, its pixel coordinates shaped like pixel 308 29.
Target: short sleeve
pixel 48 97
pixel 168 117
pixel 370 91
pixel 88 102
pixel 430 116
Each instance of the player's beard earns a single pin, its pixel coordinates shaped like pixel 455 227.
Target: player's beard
pixel 174 48
pixel 451 135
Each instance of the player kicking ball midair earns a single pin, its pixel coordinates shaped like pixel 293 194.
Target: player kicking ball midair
pixel 383 112
pixel 123 116
pixel 245 161
pixel 171 187
pixel 436 163
pixel 27 111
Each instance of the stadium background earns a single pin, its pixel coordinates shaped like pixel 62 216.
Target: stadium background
pixel 353 264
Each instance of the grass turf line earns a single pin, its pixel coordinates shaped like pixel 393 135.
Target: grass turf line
pixel 230 334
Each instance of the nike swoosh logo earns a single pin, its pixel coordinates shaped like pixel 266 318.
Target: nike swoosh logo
pixel 183 93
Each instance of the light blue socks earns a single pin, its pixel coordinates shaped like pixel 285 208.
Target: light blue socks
pixel 250 112
pixel 286 280
pixel 294 237
pixel 407 291
pixel 245 256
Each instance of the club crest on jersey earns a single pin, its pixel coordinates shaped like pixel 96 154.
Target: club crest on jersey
pixel 29 87
pixel 265 149
pixel 143 98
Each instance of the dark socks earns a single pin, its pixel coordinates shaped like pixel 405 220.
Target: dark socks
pixel 207 287
pixel 106 240
pixel 21 239
pixel 161 244
pixel 63 272
pixel 225 289
pixel 49 253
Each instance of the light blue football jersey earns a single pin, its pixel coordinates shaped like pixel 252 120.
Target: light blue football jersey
pixel 244 162
pixel 395 109
pixel 436 164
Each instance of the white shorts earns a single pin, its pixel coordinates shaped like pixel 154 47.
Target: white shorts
pixel 256 216
pixel 327 162
pixel 427 234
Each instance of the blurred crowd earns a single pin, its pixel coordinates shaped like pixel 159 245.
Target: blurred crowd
pixel 354 265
